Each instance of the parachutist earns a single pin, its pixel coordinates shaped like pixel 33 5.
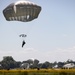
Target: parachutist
pixel 23 43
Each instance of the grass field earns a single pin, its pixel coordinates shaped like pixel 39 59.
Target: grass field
pixel 39 72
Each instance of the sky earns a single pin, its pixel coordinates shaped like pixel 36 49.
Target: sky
pixel 50 37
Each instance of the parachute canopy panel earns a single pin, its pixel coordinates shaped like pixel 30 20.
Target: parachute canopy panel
pixel 22 11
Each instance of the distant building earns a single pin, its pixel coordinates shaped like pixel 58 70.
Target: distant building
pixel 0 66
pixel 25 66
pixel 56 66
pixel 69 66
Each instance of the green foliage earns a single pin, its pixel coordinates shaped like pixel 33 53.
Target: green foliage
pixel 8 62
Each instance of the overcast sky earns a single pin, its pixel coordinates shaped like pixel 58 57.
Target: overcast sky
pixel 50 37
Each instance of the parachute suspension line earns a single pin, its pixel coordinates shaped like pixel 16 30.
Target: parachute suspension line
pixel 24 35
pixel 29 29
pixel 15 31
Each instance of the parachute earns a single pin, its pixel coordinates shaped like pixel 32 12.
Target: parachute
pixel 22 35
pixel 24 11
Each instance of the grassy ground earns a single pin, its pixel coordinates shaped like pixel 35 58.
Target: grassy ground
pixel 39 72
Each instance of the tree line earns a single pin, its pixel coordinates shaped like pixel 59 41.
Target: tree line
pixel 9 63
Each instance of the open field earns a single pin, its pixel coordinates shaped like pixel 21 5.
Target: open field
pixel 39 72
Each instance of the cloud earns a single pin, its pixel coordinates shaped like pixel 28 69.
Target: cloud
pixel 51 56
pixel 62 54
pixel 19 54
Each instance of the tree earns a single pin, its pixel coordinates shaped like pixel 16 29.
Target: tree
pixel 35 64
pixel 8 62
pixel 45 65
pixel 18 64
pixel 29 61
pixel 36 61
pixel 60 64
pixel 69 61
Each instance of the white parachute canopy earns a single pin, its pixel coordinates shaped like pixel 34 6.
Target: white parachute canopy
pixel 22 11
